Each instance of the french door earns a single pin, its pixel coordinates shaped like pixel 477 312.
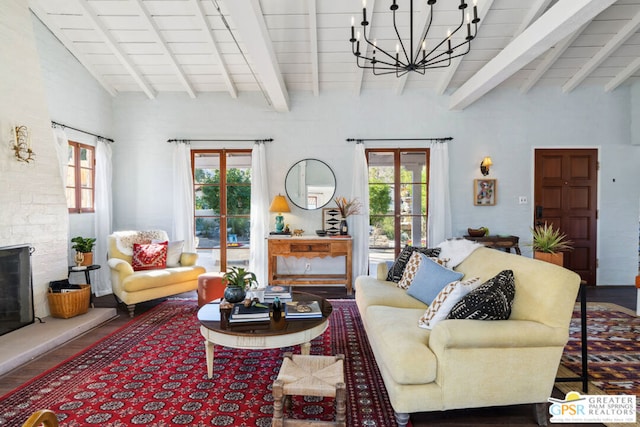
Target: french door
pixel 222 196
pixel 397 200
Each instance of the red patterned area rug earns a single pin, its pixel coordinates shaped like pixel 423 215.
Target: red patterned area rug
pixel 152 372
pixel 613 349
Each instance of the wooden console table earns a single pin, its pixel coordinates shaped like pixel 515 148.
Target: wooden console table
pixel 498 242
pixel 310 247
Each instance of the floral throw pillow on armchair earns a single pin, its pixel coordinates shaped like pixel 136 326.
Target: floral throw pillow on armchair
pixel 149 256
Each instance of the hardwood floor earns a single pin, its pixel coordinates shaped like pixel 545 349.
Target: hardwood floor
pixel 519 415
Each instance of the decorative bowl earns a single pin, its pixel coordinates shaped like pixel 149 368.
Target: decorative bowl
pixel 321 233
pixel 476 232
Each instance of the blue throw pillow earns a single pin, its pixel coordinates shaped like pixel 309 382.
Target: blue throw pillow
pixel 430 279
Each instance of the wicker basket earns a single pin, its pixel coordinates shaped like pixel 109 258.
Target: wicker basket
pixel 69 304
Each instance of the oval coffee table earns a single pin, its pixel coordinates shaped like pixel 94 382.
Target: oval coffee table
pixel 276 333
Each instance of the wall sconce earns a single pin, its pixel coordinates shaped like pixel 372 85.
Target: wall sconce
pixel 485 164
pixel 279 205
pixel 22 144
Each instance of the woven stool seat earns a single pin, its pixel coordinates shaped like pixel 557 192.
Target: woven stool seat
pixel 302 375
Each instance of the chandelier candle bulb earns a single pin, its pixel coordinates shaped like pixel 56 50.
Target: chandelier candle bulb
pixel 475 12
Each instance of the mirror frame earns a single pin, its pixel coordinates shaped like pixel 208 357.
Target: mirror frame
pixel 319 206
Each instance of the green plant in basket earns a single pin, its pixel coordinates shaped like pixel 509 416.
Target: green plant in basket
pixel 550 240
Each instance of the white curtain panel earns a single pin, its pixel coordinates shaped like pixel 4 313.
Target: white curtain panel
pixel 359 224
pixel 103 217
pixel 183 222
pixel 439 223
pixel 62 149
pixel 259 213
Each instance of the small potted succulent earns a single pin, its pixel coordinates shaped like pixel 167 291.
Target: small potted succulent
pixel 237 280
pixel 84 246
pixel 549 244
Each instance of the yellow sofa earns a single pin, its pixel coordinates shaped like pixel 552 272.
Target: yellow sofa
pixel 132 287
pixel 471 363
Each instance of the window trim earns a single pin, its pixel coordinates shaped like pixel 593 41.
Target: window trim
pixel 77 184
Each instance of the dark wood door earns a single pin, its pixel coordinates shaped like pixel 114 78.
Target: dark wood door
pixel 566 189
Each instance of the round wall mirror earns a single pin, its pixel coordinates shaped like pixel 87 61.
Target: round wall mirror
pixel 310 184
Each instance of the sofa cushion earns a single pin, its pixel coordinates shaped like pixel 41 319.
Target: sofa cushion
pixel 149 256
pixel 430 279
pixel 395 272
pixel 445 300
pixel 150 279
pixel 490 301
pixel 370 291
pixel 400 346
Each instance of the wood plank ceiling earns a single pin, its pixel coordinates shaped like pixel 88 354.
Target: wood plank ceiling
pixel 278 46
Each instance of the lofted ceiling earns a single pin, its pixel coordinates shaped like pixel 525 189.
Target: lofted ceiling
pixel 282 46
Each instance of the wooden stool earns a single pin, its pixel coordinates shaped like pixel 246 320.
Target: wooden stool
pixel 210 287
pixel 310 376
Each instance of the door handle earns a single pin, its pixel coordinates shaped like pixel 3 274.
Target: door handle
pixel 538 211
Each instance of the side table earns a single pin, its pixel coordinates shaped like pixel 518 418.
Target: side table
pixel 498 242
pixel 87 276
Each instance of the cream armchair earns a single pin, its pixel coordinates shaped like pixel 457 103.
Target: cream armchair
pixel 132 287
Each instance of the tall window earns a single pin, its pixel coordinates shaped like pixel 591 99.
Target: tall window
pixel 397 200
pixel 81 178
pixel 222 194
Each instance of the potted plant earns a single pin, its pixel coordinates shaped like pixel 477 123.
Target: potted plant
pixel 84 246
pixel 237 280
pixel 549 244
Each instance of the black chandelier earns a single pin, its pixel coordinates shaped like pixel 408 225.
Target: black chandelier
pixel 406 58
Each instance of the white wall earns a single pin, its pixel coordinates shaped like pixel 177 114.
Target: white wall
pixel 76 99
pixel 33 208
pixel 505 125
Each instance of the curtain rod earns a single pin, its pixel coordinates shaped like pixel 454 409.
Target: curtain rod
pixel 220 140
pixel 448 138
pixel 54 124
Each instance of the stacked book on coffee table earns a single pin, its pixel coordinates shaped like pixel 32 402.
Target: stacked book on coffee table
pixel 282 292
pixel 253 313
pixel 302 310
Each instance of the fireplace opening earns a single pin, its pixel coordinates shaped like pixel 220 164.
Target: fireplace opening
pixel 16 292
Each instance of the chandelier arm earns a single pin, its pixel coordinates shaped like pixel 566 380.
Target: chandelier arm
pixel 395 28
pixel 365 59
pixel 449 58
pixel 379 49
pixel 423 41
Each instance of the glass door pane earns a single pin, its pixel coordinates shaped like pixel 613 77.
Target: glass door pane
pixel 413 198
pixel 238 207
pixel 206 180
pixel 382 222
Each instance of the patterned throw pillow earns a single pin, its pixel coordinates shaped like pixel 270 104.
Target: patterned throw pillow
pixel 410 271
pixel 396 270
pixel 441 305
pixel 490 301
pixel 430 279
pixel 149 256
